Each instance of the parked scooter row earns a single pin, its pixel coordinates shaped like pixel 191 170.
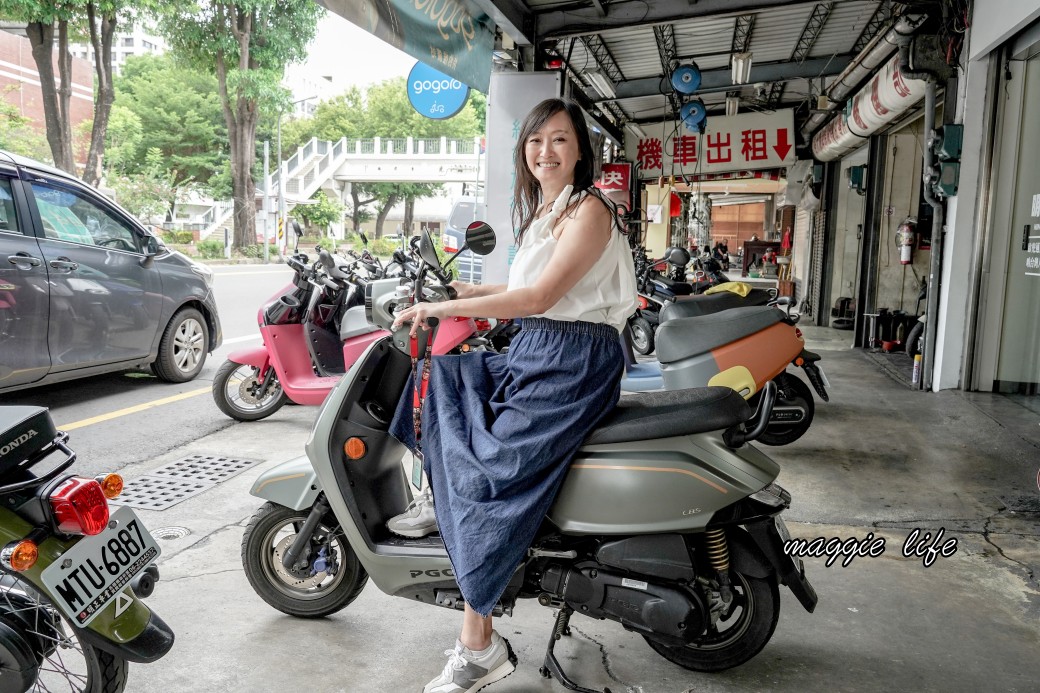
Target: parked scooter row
pixel 72 572
pixel 667 523
pixel 313 331
pixel 662 282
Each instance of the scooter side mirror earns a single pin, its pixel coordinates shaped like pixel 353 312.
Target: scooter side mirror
pixel 296 228
pixel 480 238
pixel 427 251
pixel 364 238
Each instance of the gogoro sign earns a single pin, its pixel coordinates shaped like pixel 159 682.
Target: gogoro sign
pixel 434 94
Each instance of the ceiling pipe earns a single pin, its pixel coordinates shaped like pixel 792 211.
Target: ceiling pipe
pixel 876 53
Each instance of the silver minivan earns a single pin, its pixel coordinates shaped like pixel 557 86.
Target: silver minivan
pixel 86 289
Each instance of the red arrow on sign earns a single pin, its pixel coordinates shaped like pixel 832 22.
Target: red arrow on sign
pixel 782 147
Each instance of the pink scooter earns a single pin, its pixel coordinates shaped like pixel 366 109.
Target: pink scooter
pixel 313 330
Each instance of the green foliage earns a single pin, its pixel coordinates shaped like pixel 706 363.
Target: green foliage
pixel 17 133
pixel 256 251
pixel 149 193
pixel 210 249
pixel 177 111
pixel 178 237
pixel 388 110
pixel 320 214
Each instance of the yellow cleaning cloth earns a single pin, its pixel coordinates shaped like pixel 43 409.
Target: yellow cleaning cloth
pixel 740 288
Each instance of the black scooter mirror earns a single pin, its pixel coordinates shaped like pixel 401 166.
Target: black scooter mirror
pixel 364 238
pixel 480 238
pixel 427 251
pixel 296 228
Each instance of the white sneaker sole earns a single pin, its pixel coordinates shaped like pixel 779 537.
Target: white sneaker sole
pixel 497 674
pixel 416 533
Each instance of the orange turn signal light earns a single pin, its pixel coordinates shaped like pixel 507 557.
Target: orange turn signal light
pixel 19 556
pixel 111 485
pixel 355 448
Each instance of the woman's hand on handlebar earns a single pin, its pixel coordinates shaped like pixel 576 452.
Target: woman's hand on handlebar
pixel 419 313
pixel 464 289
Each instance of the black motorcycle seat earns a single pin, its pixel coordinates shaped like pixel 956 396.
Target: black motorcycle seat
pixel 696 306
pixel 685 337
pixel 667 413
pixel 24 431
pixel 677 288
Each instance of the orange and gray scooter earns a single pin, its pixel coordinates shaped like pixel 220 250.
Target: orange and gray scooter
pixel 739 348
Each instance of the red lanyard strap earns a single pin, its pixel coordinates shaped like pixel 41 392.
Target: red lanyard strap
pixel 420 386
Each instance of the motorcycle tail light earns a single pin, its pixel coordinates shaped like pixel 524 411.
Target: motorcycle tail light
pixel 643 303
pixel 19 556
pixel 797 333
pixel 483 324
pixel 79 507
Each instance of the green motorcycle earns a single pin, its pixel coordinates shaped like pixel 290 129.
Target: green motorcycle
pixel 72 570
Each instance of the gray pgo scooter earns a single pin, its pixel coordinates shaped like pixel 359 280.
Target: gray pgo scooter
pixel 667 523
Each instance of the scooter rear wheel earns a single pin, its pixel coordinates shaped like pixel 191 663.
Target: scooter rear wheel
pixel 792 392
pixel 235 389
pixel 310 592
pixel 41 651
pixel 735 638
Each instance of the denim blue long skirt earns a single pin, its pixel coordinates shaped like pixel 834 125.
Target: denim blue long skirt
pixel 498 434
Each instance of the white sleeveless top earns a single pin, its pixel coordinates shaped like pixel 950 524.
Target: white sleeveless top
pixel 606 294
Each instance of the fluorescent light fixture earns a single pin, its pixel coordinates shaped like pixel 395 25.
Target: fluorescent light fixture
pixel 741 64
pixel 636 130
pixel 601 84
pixel 732 104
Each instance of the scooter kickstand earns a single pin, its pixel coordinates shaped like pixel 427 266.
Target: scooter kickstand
pixel 552 667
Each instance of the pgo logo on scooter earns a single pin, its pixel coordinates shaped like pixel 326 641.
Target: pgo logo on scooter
pixel 432 573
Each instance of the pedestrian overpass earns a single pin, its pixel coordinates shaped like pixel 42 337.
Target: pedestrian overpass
pixel 322 164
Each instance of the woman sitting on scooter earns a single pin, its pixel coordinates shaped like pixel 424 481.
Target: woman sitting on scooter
pixel 499 430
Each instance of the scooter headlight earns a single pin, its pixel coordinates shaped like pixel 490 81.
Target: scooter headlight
pixel 774 496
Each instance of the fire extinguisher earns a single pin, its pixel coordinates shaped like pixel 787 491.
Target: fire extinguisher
pixel 906 238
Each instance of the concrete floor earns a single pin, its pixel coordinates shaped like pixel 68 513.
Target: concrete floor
pixel 879 458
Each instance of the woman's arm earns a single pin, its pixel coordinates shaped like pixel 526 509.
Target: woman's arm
pixel 466 290
pixel 580 244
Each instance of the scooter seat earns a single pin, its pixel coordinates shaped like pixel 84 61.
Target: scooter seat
pixel 696 306
pixel 24 431
pixel 650 415
pixel 677 288
pixel 685 337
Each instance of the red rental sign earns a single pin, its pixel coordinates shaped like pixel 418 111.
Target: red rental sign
pixel 616 181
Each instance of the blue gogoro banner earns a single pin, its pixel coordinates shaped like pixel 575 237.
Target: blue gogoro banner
pixel 434 94
pixel 452 36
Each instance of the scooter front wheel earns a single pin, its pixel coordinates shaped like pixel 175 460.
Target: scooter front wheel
pixel 642 335
pixel 329 578
pixel 236 391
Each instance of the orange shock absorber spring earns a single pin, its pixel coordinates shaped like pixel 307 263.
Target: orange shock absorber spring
pixel 718 551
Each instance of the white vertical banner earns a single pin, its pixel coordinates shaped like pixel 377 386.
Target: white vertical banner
pixel 511 96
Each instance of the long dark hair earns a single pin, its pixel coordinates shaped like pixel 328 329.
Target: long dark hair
pixel 527 191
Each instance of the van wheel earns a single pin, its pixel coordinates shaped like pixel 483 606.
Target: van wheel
pixel 330 579
pixel 183 347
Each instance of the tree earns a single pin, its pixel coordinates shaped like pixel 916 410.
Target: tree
pixel 149 193
pixel 389 194
pixel 322 213
pixel 96 19
pixel 188 130
pixel 247 43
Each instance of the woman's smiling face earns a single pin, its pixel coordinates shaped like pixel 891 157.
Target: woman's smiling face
pixel 552 152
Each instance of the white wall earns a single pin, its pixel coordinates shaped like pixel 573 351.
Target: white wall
pixel 990 28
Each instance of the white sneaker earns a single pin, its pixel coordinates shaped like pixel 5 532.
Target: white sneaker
pixel 468 671
pixel 417 520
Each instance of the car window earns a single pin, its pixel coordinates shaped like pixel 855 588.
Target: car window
pixel 69 215
pixel 461 215
pixel 8 221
